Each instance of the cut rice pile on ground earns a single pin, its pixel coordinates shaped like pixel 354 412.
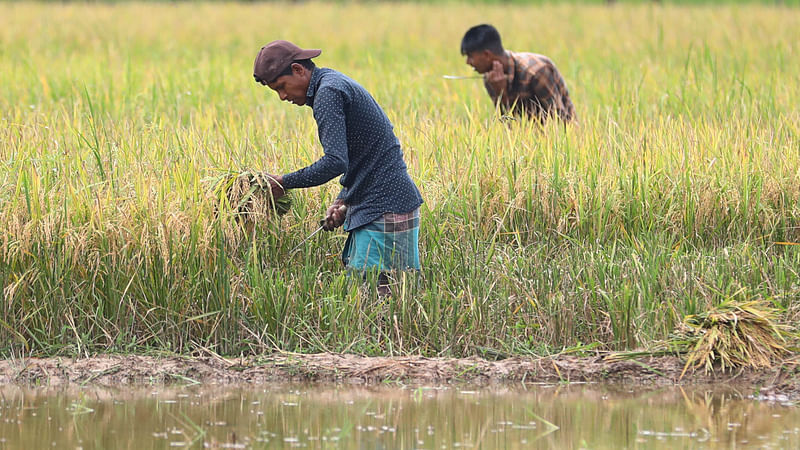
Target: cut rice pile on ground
pixel 733 335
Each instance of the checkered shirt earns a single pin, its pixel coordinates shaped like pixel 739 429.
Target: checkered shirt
pixel 535 87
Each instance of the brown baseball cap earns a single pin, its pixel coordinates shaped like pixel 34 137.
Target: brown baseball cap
pixel 276 56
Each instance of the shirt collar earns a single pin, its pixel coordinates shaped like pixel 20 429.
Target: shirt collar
pixel 316 74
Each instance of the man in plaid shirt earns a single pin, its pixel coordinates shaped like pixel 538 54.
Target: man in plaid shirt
pixel 520 82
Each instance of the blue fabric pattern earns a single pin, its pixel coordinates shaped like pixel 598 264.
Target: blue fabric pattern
pixel 387 244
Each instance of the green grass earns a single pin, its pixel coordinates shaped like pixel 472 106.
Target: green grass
pixel 668 197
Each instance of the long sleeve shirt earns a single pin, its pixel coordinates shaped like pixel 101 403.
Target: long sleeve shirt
pixel 535 87
pixel 359 144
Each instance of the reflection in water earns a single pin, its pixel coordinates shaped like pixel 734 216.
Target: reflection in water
pixel 344 416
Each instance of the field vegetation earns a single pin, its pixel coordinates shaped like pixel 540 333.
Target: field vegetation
pixel 678 190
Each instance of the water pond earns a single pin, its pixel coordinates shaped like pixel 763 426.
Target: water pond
pixel 395 417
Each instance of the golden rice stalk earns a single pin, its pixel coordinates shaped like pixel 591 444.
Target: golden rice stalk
pixel 734 334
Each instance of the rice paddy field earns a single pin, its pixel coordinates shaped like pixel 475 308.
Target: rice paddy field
pixel 677 190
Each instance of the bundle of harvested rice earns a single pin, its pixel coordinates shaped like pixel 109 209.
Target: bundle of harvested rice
pixel 249 195
pixel 734 334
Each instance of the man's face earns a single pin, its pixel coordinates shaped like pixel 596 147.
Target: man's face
pixel 480 60
pixel 293 88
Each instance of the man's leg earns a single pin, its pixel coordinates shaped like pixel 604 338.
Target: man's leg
pixel 384 285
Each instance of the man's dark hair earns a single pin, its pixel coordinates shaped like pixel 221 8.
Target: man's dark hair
pixel 482 37
pixel 307 63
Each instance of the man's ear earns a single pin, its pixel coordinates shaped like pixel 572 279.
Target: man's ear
pixel 298 69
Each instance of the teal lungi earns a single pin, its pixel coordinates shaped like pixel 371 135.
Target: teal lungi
pixel 389 243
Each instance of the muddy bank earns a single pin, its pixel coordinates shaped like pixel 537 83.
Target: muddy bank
pixel 328 367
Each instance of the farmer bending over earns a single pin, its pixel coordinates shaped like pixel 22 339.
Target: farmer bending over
pixel 358 141
pixel 519 82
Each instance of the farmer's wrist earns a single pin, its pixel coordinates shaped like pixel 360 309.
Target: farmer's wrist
pixel 285 180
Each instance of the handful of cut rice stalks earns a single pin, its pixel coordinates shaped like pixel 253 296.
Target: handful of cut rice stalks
pixel 249 195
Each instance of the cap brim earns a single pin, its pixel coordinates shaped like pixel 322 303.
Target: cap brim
pixel 308 54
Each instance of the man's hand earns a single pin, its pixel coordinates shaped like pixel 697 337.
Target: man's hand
pixel 276 185
pixel 334 216
pixel 497 78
